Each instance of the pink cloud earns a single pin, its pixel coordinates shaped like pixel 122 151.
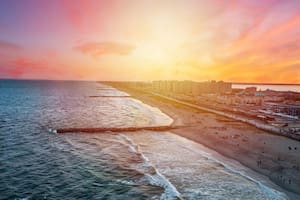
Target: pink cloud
pixel 96 49
pixel 291 24
pixel 9 46
pixel 85 16
pixel 29 63
pixel 52 54
pixel 24 65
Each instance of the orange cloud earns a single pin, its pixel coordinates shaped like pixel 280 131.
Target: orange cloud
pixel 97 49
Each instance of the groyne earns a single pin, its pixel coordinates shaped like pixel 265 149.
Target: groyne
pixel 111 129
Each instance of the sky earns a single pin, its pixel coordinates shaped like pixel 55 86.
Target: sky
pixel 139 40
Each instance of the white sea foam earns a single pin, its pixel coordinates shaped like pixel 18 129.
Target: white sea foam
pixel 268 190
pixel 156 116
pixel 151 174
pixel 234 167
pixel 54 131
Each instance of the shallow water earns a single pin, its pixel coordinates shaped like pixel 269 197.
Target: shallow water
pixel 38 164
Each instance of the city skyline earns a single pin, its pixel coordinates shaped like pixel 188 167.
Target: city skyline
pixel 235 41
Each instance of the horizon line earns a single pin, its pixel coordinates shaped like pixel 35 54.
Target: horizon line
pixel 86 80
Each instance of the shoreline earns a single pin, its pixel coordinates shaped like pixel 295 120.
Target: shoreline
pixel 273 156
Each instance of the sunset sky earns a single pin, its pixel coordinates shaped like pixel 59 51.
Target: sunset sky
pixel 238 40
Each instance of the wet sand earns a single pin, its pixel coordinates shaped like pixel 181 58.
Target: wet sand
pixel 274 156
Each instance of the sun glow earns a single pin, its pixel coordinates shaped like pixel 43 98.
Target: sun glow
pixel 196 40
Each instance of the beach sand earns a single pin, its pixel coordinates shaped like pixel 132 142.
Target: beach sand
pixel 274 156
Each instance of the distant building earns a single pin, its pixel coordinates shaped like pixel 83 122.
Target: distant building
pixel 191 88
pixel 155 86
pixel 239 100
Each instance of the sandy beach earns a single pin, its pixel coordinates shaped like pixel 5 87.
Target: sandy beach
pixel 274 156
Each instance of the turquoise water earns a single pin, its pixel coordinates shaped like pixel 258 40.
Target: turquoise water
pixel 38 164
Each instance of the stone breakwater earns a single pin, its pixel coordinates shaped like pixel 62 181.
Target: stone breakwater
pixel 118 130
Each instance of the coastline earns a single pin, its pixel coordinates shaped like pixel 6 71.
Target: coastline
pixel 274 156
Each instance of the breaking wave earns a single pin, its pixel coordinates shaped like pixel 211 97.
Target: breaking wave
pixel 151 174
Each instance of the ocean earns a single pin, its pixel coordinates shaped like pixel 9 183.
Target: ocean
pixel 293 88
pixel 37 163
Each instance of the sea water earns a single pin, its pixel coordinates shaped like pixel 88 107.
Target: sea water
pixel 36 163
pixel 286 87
